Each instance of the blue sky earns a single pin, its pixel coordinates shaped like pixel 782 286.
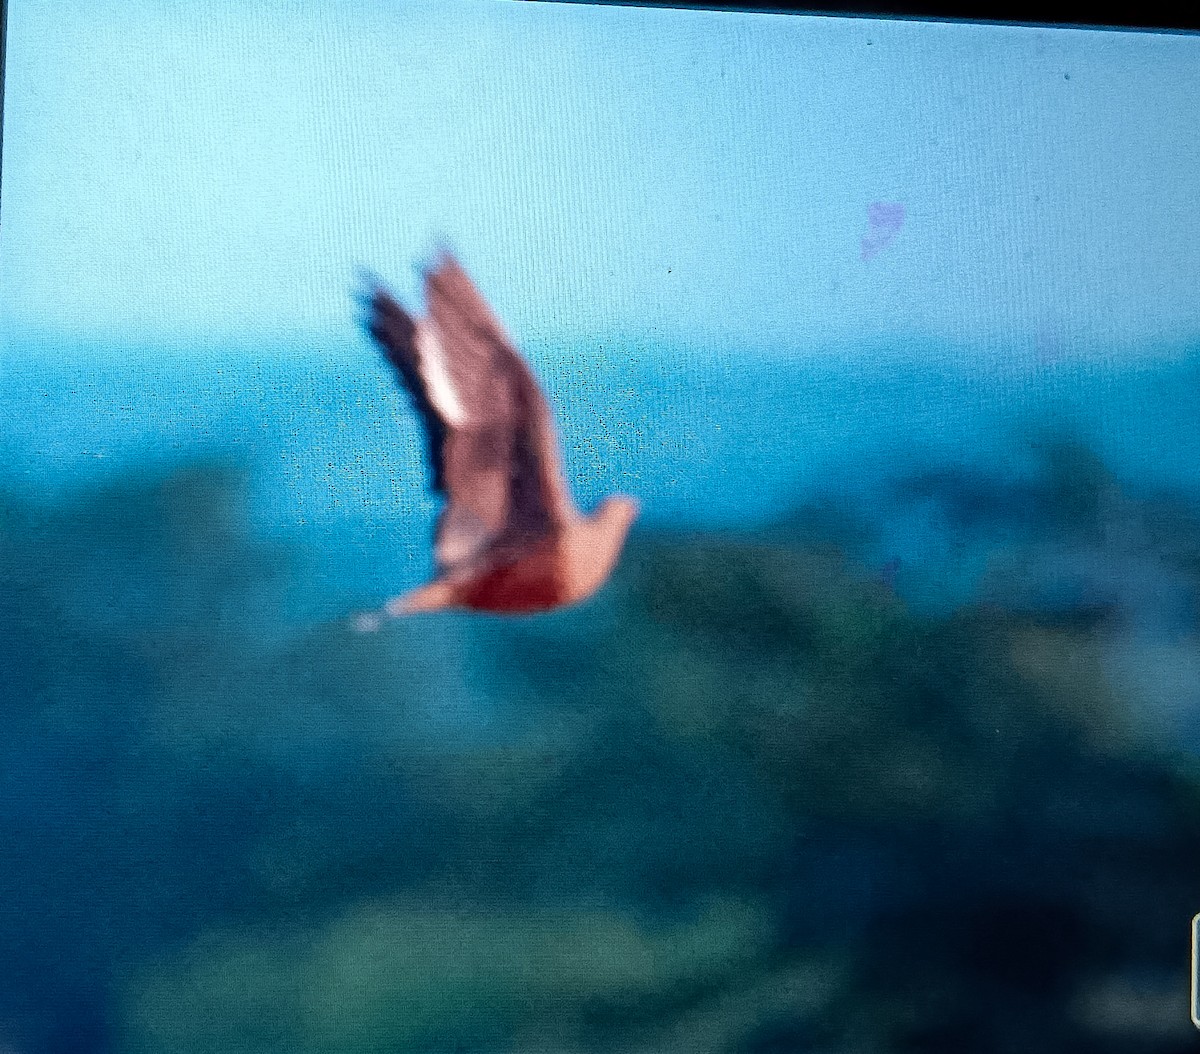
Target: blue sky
pixel 214 172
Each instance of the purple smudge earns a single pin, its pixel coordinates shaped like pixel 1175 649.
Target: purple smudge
pixel 884 220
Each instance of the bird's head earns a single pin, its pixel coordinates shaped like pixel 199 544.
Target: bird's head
pixel 595 542
pixel 617 512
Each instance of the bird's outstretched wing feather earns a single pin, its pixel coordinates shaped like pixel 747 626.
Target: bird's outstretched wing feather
pixel 395 331
pixel 492 440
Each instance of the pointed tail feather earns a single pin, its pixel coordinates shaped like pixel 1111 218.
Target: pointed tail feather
pixel 434 596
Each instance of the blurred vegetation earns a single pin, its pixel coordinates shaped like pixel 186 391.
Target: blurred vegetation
pixel 748 800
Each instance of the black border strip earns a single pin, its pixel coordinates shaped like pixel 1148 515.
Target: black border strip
pixel 1152 15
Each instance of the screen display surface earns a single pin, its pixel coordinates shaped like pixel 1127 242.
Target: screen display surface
pixel 782 434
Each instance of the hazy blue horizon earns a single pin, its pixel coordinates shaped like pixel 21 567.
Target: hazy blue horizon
pixel 334 458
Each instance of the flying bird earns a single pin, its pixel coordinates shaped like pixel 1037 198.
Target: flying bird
pixel 509 538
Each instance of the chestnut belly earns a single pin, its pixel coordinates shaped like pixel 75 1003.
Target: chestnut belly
pixel 534 583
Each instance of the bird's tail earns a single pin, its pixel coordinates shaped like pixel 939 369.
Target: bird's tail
pixel 433 596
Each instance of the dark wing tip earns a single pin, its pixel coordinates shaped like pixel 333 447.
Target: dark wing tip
pixel 394 331
pixel 392 327
pixel 371 296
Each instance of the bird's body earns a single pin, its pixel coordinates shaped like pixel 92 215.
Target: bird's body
pixel 509 539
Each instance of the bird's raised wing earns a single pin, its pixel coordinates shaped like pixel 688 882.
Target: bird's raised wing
pixel 492 440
